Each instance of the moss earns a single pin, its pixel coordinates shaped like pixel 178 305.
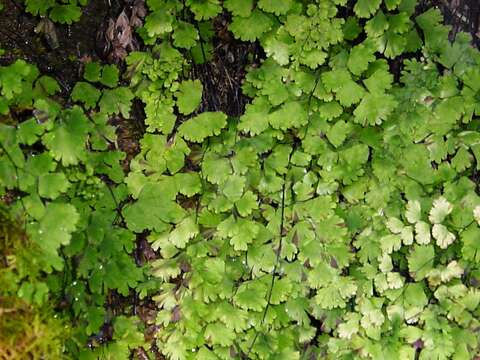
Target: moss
pixel 27 331
pixel 30 332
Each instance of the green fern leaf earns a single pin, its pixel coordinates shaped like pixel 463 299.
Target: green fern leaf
pixel 365 8
pixel 86 93
pixel 204 9
pixel 276 7
pixel 252 27
pixel 159 23
pixel 51 185
pixel 65 14
pixel 185 35
pixel 189 95
pixel 420 261
pixel 290 115
pixel 202 126
pixel 241 8
pixel 116 101
pixel 110 76
pixel 39 7
pixel 55 227
pixel 92 71
pixel 66 141
pixel 347 91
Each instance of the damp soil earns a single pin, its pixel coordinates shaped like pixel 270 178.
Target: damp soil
pixel 76 42
pixel 223 75
pixel 461 15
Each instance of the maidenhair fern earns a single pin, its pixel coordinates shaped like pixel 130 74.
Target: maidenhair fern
pixel 64 11
pixel 327 220
pixel 337 217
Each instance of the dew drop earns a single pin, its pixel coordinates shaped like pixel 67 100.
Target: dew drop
pixel 100 267
pixel 74 283
pixel 76 299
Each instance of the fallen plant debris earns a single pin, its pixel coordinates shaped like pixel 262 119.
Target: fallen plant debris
pixel 119 39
